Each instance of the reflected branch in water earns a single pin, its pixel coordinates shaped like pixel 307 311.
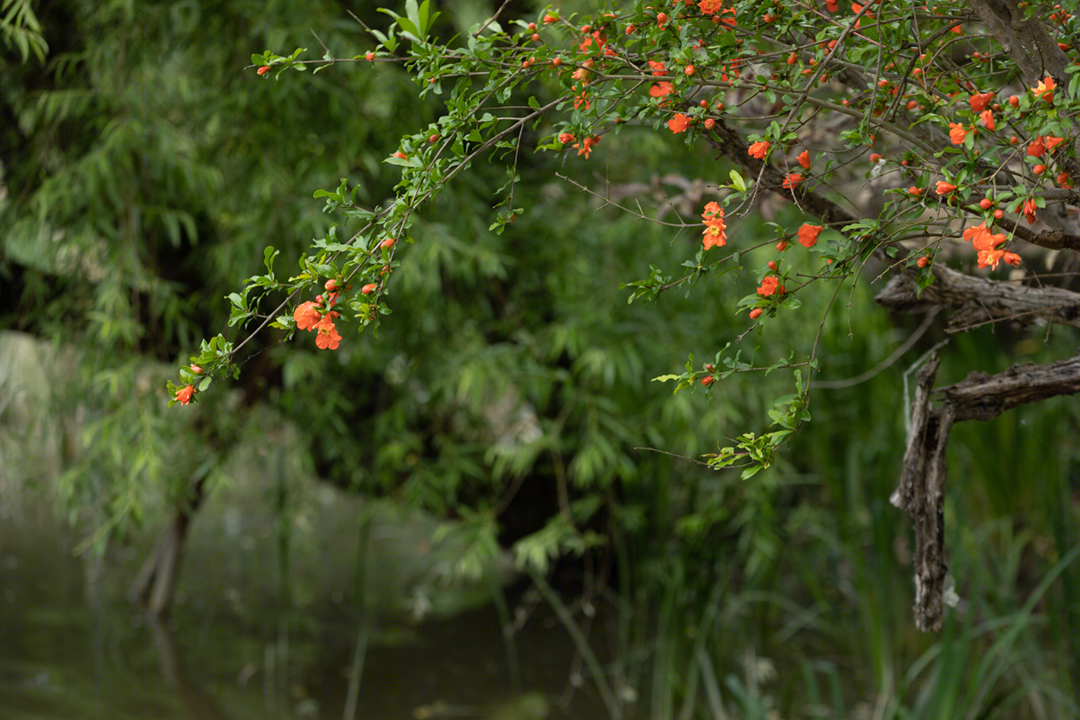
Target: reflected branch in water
pixel 197 704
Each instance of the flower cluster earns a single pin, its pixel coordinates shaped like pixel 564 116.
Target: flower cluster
pixel 986 243
pixel 318 317
pixel 715 229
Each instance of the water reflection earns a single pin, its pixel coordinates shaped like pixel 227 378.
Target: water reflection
pixel 71 648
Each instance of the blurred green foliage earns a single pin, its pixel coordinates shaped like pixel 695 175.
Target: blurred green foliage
pixel 145 169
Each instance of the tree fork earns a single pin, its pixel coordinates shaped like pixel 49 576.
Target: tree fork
pixel 921 490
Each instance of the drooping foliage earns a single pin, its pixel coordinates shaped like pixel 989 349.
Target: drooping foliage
pixel 742 173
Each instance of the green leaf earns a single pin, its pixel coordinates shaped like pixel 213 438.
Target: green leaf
pixel 737 181
pixel 751 472
pixel 268 259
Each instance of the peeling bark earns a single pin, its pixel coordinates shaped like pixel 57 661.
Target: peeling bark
pixel 976 301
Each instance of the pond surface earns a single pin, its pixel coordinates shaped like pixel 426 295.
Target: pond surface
pixel 72 647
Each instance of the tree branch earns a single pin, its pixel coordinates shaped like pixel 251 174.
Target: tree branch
pixel 984 397
pixel 921 490
pixel 921 494
pixel 1025 41
pixel 975 301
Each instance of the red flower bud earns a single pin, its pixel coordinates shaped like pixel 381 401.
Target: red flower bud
pixel 369 288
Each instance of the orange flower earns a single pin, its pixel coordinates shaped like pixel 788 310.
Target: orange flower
pixel 1045 89
pixel 957 133
pixel 944 188
pixel 1012 259
pixel 1052 142
pixel 759 149
pixel 804 159
pixel 709 7
pixel 987 119
pixel 660 89
pixel 586 145
pixel 580 100
pixel 1029 211
pixel 306 316
pixel 990 257
pixel 980 101
pixel 715 229
pixel 590 39
pixel 808 234
pixel 792 180
pixel 715 232
pixel 770 285
pixel 916 191
pixel 982 239
pixel 1037 148
pixel 658 69
pixel 328 337
pixel 679 123
pixel 184 394
pixel 565 138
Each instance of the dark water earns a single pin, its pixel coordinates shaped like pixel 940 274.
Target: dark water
pixel 71 647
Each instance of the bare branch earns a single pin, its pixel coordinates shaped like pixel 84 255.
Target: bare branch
pixel 975 300
pixel 984 397
pixel 921 489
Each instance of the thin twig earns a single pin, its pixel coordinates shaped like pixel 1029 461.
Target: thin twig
pixel 884 364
